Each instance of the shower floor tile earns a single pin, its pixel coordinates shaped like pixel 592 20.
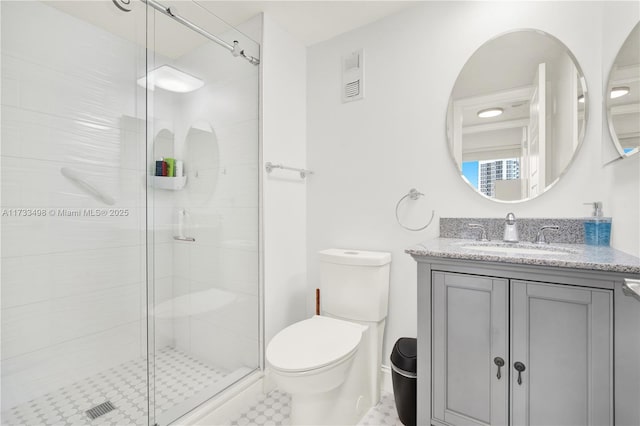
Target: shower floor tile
pixel 178 378
pixel 273 410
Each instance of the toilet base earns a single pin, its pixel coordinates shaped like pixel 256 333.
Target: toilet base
pixel 343 405
pixel 335 407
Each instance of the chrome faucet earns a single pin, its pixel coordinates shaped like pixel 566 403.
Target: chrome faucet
pixel 482 236
pixel 540 237
pixel 510 229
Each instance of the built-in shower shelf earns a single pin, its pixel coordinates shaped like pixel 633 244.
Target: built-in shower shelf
pixel 167 182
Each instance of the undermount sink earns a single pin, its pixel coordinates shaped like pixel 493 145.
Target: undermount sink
pixel 516 248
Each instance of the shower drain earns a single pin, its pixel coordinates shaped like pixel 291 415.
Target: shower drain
pixel 100 410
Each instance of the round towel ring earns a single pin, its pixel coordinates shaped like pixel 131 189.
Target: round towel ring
pixel 413 194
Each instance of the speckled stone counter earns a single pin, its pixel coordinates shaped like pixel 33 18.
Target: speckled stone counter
pixel 570 230
pixel 576 256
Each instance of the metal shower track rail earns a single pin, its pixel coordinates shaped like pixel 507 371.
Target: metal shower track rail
pixel 233 48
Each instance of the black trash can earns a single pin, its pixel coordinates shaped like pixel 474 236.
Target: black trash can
pixel 404 367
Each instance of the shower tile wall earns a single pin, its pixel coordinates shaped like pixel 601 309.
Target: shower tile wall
pixel 72 287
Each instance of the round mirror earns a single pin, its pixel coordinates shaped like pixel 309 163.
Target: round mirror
pixel 623 96
pixel 516 115
pixel 201 163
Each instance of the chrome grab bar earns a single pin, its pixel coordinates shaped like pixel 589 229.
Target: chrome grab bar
pixel 75 177
pixel 631 288
pixel 269 166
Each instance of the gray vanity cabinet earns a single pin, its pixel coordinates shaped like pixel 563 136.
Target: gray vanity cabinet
pixel 483 329
pixel 470 330
pixel 562 335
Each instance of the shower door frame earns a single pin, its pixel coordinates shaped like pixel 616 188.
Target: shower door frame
pixel 150 16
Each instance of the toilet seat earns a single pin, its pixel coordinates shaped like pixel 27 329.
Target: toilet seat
pixel 313 344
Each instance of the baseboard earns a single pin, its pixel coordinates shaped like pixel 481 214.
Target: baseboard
pixel 387 383
pixel 233 401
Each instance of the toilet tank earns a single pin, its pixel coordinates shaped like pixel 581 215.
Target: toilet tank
pixel 354 284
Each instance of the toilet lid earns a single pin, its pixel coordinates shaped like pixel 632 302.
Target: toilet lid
pixel 313 343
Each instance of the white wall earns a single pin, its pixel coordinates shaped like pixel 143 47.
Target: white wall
pixel 368 154
pixel 73 288
pixel 284 193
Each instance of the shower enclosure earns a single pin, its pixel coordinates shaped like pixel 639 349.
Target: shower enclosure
pixel 126 297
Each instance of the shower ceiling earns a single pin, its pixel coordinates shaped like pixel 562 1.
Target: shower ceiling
pixel 309 21
pixel 171 39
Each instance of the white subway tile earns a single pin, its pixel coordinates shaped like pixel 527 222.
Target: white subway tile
pixel 37 183
pixel 240 270
pixel 35 326
pixel 238 143
pixel 25 236
pixel 222 348
pixel 162 254
pixel 182 260
pixel 240 227
pixel 10 95
pixel 240 316
pixel 237 187
pixel 30 279
pixel 205 263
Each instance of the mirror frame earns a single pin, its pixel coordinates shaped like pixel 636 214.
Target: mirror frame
pixel 581 134
pixel 605 99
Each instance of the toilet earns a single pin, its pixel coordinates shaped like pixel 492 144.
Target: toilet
pixel 330 363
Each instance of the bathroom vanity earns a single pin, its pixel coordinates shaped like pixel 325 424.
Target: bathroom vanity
pixel 526 334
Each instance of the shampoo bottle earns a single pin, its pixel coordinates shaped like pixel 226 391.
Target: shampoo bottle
pixel 597 229
pixel 159 166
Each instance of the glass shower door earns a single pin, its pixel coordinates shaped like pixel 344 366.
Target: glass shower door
pixel 127 298
pixel 202 135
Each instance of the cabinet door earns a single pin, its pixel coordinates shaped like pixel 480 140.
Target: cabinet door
pixel 469 332
pixel 562 335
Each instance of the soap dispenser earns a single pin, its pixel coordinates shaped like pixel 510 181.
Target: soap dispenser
pixel 597 229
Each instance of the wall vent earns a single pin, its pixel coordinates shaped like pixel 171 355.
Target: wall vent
pixel 352 76
pixel 352 89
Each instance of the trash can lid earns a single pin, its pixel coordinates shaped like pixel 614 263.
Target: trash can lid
pixel 404 354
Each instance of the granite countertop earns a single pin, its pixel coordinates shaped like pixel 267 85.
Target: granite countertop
pixel 576 256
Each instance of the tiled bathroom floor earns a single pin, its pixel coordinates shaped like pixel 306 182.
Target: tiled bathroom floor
pixel 383 414
pixel 273 410
pixel 178 378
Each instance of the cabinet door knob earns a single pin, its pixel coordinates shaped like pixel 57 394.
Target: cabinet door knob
pixel 500 363
pixel 519 368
